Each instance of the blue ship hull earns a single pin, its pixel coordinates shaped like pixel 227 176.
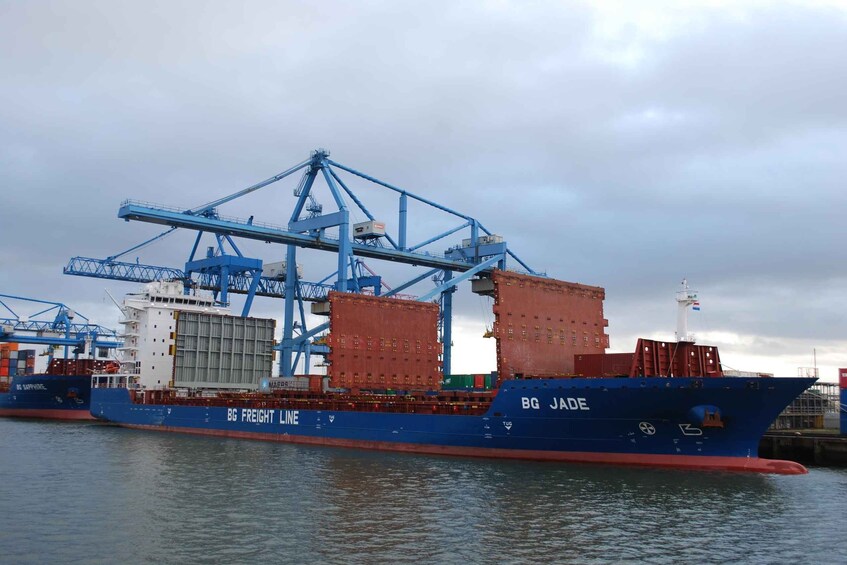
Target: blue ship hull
pixel 56 397
pixel 642 421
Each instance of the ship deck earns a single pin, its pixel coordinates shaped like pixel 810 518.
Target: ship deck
pixel 445 403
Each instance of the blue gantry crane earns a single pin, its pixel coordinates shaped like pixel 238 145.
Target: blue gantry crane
pixel 53 324
pixel 223 270
pixel 309 227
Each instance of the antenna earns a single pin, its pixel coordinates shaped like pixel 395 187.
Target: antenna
pixel 685 298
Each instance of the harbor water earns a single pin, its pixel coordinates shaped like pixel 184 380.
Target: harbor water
pixel 90 493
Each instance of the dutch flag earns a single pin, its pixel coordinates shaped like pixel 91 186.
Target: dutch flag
pixel 696 306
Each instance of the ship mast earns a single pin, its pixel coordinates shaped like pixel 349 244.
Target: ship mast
pixel 685 298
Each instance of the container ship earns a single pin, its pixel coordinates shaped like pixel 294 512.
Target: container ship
pixel 60 393
pixel 191 367
pixel 75 351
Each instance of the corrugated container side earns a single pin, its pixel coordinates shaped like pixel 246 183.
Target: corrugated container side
pixel 540 324
pixel 214 351
pixel 316 383
pixel 603 364
pixel 289 383
pixel 457 382
pixel 379 343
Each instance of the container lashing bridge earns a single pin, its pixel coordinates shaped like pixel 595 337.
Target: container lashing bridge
pixel 309 227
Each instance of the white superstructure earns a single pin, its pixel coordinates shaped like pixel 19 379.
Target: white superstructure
pixel 149 323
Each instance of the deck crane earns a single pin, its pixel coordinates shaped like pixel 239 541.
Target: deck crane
pixel 477 255
pixel 56 326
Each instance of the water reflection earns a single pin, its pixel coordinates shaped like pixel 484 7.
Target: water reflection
pixel 102 494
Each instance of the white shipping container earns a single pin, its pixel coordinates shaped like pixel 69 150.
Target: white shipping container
pixel 213 351
pixel 369 230
pixel 288 383
pixel 278 270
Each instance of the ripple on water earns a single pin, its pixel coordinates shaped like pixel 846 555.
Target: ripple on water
pixel 97 494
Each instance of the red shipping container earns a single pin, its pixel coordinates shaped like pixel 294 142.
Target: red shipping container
pixel 842 373
pixel 603 364
pixel 479 381
pixel 540 324
pixel 316 383
pixel 380 343
pixel 659 358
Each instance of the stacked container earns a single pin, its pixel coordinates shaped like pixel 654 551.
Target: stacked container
pixel 478 381
pixel 214 351
pixel 15 362
pixel 5 350
pixel 457 382
pixel 76 366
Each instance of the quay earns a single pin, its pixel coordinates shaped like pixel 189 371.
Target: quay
pixel 816 447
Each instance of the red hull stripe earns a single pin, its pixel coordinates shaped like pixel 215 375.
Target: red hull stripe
pixel 747 464
pixel 47 414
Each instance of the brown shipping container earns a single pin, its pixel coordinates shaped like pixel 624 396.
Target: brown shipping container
pixel 316 383
pixel 74 366
pixel 603 364
pixel 540 324
pixel 381 343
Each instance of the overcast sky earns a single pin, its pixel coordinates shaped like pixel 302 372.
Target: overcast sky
pixel 625 145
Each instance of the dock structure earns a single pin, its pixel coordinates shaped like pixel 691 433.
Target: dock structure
pixel 817 408
pixel 813 428
pixel 816 447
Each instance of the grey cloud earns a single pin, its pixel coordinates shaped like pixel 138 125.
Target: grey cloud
pixel 716 152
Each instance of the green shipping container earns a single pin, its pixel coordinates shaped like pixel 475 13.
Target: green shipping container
pixel 456 382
